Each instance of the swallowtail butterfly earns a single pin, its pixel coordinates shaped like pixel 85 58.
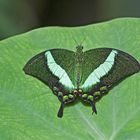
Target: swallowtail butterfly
pixel 86 75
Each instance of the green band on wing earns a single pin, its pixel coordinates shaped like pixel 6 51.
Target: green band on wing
pixel 101 71
pixel 58 71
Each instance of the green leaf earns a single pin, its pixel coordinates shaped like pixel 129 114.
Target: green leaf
pixel 28 108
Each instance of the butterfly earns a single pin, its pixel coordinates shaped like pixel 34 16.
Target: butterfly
pixel 86 75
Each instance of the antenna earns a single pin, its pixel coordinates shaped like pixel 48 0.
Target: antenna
pixel 75 41
pixel 83 41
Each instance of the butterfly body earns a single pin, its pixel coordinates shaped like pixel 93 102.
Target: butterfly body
pixel 78 66
pixel 86 75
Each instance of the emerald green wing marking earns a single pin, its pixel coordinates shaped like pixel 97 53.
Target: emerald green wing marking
pixel 100 71
pixel 36 67
pixel 125 65
pixel 106 66
pixel 62 60
pixel 58 71
pixel 92 59
pixel 66 60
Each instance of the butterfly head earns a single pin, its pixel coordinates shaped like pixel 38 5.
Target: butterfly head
pixel 79 48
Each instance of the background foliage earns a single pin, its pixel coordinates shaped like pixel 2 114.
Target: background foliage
pixel 17 16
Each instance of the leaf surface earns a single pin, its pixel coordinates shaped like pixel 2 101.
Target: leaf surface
pixel 28 108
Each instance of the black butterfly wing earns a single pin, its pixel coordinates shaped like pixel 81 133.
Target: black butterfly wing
pixel 123 65
pixel 102 69
pixel 38 68
pixel 91 60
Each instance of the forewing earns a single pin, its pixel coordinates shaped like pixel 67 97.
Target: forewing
pixel 125 65
pixel 106 67
pixel 52 67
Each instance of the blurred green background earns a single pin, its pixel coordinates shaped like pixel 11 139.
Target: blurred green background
pixel 18 16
